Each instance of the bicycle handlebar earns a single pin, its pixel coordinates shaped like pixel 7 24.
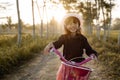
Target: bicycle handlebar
pixel 59 54
pixel 69 62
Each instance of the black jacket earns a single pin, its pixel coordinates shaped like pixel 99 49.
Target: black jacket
pixel 73 46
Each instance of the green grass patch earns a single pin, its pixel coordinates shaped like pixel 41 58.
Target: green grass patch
pixel 109 56
pixel 11 55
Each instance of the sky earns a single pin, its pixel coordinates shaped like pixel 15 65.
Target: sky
pixel 116 10
pixel 26 13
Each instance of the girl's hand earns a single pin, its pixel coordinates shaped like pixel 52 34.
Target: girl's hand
pixel 93 56
pixel 47 48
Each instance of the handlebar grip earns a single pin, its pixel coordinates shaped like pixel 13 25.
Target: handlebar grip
pixel 51 50
pixel 93 56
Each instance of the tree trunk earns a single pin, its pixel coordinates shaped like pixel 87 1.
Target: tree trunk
pixel 119 39
pixel 19 24
pixel 33 19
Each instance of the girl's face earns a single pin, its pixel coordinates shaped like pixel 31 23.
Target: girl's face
pixel 72 27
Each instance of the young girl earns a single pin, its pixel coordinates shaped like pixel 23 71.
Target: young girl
pixel 73 41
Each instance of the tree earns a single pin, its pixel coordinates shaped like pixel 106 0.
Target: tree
pixel 69 5
pixel 9 21
pixel 19 24
pixel 116 24
pixel 33 19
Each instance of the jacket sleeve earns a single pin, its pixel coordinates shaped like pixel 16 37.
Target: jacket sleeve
pixel 58 43
pixel 88 48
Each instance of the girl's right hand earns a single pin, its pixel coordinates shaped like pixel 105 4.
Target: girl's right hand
pixel 47 48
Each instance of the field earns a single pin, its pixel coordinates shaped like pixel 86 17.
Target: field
pixel 11 55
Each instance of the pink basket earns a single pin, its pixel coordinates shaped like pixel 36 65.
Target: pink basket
pixel 70 72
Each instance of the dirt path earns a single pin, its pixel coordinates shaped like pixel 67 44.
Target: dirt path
pixel 44 67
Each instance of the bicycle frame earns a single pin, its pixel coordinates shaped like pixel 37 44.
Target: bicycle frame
pixel 72 71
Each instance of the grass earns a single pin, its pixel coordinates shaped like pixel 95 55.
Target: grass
pixel 109 56
pixel 11 55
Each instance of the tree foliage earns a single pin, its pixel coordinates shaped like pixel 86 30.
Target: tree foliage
pixel 116 24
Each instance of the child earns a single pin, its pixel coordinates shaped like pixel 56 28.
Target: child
pixel 73 41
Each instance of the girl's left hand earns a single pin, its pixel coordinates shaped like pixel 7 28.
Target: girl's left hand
pixel 93 56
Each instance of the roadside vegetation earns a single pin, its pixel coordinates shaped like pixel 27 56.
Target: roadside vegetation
pixel 109 56
pixel 12 56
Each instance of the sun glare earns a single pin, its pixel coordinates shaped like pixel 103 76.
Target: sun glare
pixel 56 11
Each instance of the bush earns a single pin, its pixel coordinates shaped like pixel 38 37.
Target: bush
pixel 11 55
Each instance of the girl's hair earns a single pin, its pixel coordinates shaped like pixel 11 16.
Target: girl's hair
pixel 75 20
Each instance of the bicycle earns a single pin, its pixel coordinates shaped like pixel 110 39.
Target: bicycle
pixel 71 70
